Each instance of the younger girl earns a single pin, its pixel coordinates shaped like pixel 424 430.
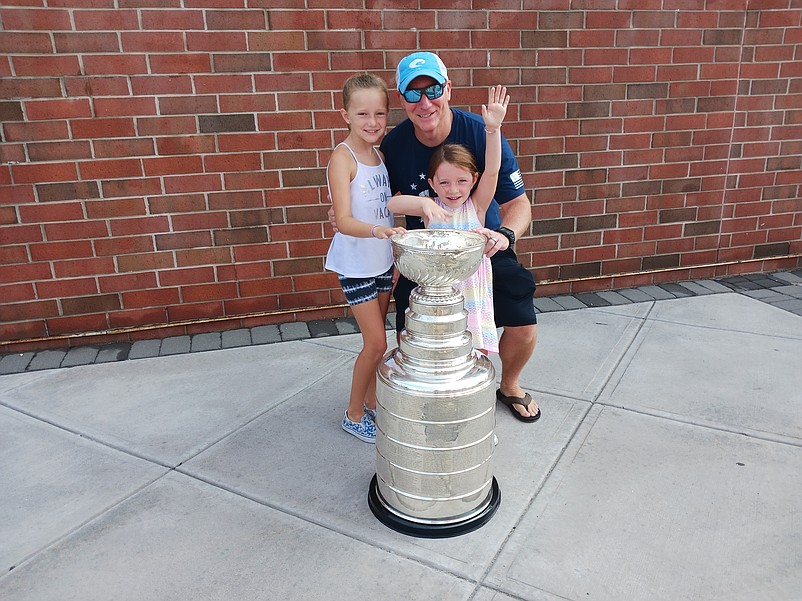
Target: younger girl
pixel 452 175
pixel 360 252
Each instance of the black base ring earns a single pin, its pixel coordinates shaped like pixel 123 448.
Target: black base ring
pixel 410 528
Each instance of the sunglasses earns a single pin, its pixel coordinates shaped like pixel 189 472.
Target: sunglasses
pixel 432 92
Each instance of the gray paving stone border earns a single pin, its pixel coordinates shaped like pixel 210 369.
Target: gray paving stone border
pixel 236 338
pixel 781 289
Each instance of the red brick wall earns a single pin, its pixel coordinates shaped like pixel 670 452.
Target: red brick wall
pixel 162 162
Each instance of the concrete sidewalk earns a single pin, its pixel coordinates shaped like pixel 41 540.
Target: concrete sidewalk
pixel 667 465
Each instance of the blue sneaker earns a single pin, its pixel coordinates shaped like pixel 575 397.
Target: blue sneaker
pixel 364 429
pixel 371 413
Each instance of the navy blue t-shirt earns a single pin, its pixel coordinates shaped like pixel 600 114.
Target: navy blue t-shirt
pixel 407 163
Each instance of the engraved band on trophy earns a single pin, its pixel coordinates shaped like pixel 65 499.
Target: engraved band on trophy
pixel 436 400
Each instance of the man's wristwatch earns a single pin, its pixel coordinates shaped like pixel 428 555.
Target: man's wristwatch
pixel 508 234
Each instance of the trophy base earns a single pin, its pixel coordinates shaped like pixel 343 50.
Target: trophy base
pixel 435 530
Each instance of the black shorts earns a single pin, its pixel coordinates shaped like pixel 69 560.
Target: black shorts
pixel 513 293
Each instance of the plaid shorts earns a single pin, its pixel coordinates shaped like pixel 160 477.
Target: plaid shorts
pixel 362 290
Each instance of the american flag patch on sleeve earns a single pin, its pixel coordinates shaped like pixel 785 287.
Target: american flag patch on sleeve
pixel 517 179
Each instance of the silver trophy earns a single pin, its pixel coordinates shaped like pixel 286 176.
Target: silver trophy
pixel 436 399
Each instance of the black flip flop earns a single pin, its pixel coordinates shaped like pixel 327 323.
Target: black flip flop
pixel 524 402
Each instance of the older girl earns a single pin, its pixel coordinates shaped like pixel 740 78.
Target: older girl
pixel 360 252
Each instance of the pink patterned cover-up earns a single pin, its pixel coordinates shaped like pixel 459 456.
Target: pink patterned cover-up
pixel 477 289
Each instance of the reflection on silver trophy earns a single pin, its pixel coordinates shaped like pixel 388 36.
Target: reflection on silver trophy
pixel 436 401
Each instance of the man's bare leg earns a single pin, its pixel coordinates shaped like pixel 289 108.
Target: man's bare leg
pixel 515 348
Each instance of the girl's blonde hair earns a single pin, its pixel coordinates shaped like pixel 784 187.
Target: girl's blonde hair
pixel 363 81
pixel 453 154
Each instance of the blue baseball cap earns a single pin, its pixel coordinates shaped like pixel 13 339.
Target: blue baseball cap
pixel 418 64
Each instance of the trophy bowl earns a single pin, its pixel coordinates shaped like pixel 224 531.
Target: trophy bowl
pixel 439 257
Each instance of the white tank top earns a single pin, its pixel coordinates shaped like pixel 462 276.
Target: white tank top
pixel 364 257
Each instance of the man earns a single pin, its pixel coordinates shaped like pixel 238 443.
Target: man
pixel 425 91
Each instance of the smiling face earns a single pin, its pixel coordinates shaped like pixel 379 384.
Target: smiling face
pixel 431 118
pixel 366 114
pixel 453 184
